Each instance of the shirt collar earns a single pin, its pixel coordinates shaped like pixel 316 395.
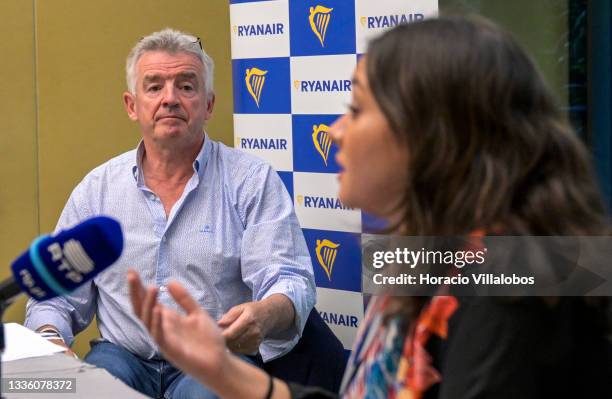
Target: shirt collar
pixel 199 164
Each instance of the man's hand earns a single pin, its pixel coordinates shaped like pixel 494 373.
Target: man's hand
pixel 246 325
pixel 61 343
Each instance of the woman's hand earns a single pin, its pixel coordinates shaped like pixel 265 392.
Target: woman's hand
pixel 193 342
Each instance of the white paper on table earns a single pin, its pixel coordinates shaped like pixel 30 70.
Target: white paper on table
pixel 21 343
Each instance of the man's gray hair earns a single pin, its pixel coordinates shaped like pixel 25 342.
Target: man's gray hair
pixel 171 41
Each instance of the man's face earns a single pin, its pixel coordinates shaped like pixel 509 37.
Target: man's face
pixel 170 102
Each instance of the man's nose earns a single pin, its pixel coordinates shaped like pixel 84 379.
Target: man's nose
pixel 170 98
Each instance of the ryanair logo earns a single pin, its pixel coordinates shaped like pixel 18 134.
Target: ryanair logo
pixel 259 30
pixel 255 79
pixel 322 140
pixel 389 21
pixel 326 251
pixel 319 21
pixel 259 143
pixel 309 201
pixel 311 86
pixel 339 319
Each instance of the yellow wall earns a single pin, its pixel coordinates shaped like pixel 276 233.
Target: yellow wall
pixel 62 78
pixel 18 141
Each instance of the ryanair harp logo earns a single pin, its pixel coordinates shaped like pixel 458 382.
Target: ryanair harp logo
pixel 326 255
pixel 322 140
pixel 319 20
pixel 255 79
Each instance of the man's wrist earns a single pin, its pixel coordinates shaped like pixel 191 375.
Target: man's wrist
pixel 50 333
pixel 267 317
pixel 279 314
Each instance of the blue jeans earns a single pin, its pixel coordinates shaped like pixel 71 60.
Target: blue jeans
pixel 156 378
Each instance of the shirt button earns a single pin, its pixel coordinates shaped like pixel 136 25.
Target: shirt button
pixel 164 239
pixel 163 288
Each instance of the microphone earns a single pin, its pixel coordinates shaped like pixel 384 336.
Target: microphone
pixel 57 264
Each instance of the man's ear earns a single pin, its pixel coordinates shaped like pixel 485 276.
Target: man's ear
pixel 210 104
pixel 130 105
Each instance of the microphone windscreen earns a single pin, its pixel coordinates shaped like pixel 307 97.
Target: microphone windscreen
pixel 56 265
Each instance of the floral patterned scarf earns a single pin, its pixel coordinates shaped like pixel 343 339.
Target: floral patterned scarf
pixel 388 364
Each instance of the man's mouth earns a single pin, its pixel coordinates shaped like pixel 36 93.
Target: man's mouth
pixel 171 117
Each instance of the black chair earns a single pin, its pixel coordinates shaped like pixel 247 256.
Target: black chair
pixel 318 359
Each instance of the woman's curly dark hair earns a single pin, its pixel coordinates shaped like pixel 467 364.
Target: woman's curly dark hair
pixel 489 149
pixel 488 145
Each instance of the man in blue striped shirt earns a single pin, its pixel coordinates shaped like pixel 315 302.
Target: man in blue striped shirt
pixel 193 210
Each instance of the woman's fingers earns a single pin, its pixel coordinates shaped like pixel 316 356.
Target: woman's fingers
pixel 156 324
pixel 136 291
pixel 182 297
pixel 149 302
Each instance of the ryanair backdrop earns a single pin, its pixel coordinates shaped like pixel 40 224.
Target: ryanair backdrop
pixel 317 205
pixel 336 259
pixel 313 149
pixel 287 179
pixel 342 311
pixel 262 86
pixel 292 63
pixel 321 85
pixel 372 17
pixel 260 29
pixel 322 27
pixel 373 224
pixel 267 136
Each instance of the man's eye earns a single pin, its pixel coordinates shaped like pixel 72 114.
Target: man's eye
pixel 154 88
pixel 187 87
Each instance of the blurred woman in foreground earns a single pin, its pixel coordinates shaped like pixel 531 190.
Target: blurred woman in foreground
pixel 451 131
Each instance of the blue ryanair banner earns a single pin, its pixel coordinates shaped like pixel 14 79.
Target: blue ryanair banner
pixel 292 63
pixel 329 27
pixel 313 150
pixel 266 81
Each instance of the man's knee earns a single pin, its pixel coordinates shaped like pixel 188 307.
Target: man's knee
pixel 117 361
